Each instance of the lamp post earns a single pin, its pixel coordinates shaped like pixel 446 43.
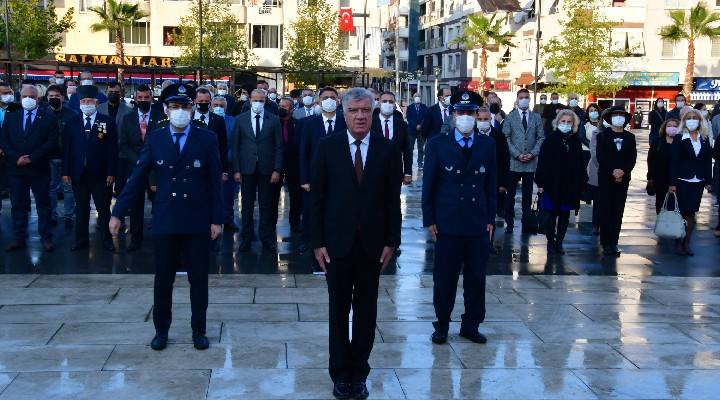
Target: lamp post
pixel 409 77
pixel 398 84
pixel 418 72
pixel 438 71
pixel 538 35
pixel 8 66
pixel 200 52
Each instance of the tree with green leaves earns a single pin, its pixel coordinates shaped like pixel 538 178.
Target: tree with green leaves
pixel 115 17
pixel 582 58
pixel 484 32
pixel 312 42
pixel 691 27
pixel 224 38
pixel 35 30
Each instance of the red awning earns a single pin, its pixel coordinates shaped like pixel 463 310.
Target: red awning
pixel 473 85
pixel 525 78
pixel 463 85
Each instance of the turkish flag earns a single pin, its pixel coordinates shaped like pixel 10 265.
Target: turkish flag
pixel 346 20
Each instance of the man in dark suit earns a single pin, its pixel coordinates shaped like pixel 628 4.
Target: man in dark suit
pixel 186 164
pixel 680 102
pixel 415 115
pixel 230 187
pixel 458 203
pixel 436 115
pixel 356 222
pixel 133 130
pixel 270 106
pixel 395 129
pixel 550 112
pixel 214 123
pixel 62 115
pixel 27 139
pixel 222 90
pixel 86 79
pixel 291 165
pixel 315 128
pixel 305 109
pixel 116 108
pixel 257 162
pixel 90 162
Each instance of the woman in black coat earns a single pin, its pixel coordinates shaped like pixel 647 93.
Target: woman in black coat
pixel 658 162
pixel 561 176
pixel 656 118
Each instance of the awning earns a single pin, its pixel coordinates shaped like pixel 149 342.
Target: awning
pixel 525 78
pixel 473 85
pixel 136 78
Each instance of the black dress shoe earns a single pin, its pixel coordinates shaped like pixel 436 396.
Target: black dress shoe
pixel 359 390
pixel 493 250
pixel 608 250
pixel 68 223
pixel 16 246
pixel 303 247
pixel 79 246
pixel 232 226
pixel 616 251
pixel 508 230
pixel 133 246
pixel 244 245
pixel 269 245
pixel 473 336
pixel 295 228
pixel 398 251
pixel 688 251
pixel 159 342
pixel 341 390
pixel 439 337
pixel 53 222
pixel 109 246
pixel 200 341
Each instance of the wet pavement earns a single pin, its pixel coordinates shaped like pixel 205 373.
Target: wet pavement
pixel 644 325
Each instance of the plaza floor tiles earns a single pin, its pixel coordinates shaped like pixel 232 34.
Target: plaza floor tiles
pixel 138 333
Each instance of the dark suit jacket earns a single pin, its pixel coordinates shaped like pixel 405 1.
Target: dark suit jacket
pixel 123 110
pixel 415 117
pixel 216 124
pixel 62 116
pixel 609 158
pixel 400 138
pixel 341 207
pixel 101 153
pixel 291 155
pixel 189 189
pixel 313 129
pixel 38 143
pixel 502 155
pixel 433 121
pixel 684 164
pixel 131 141
pixel 262 154
pixel 459 196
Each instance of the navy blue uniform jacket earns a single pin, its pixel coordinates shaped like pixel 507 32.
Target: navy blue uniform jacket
pixel 100 148
pixel 312 130
pixel 189 193
pixel 458 196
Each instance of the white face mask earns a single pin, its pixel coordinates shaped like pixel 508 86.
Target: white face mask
pixel 418 100
pixel 692 124
pixel 564 128
pixel 679 104
pixel 222 92
pixel 387 108
pixel 180 118
pixel 594 114
pixel 554 101
pixel 524 103
pixel 661 104
pixel 464 123
pixel 307 100
pixel 28 103
pixel 447 100
pixel 272 96
pixel 483 125
pixel 88 109
pixel 317 109
pixel 704 113
pixel 329 105
pixel 243 97
pixel 86 82
pixel 573 103
pixel 543 101
pixel 59 81
pixel 7 98
pixel 257 106
pixel 618 120
pixel 219 111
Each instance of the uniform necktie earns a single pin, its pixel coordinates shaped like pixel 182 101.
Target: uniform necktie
pixel 88 128
pixel 28 122
pixel 143 126
pixel 467 151
pixel 524 120
pixel 202 117
pixel 178 135
pixel 307 112
pixel 358 162
pixel 329 127
pixel 257 125
pixel 387 129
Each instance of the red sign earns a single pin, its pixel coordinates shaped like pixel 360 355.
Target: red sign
pixel 502 85
pixel 346 20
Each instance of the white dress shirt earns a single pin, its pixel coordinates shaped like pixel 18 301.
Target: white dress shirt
pixel 325 120
pixel 252 120
pixel 389 120
pixel 365 143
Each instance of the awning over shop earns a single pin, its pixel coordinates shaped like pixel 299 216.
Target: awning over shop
pixel 525 78
pixel 468 85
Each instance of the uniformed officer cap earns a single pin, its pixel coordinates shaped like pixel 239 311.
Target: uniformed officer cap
pixel 466 100
pixel 87 92
pixel 178 93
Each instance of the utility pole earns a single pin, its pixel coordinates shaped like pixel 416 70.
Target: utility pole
pixel 538 35
pixel 364 15
pixel 8 66
pixel 200 23
pixel 398 84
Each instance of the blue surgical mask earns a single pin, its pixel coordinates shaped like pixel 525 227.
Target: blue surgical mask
pixel 219 111
pixel 564 128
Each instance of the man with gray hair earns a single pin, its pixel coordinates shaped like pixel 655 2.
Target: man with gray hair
pixel 222 90
pixel 86 79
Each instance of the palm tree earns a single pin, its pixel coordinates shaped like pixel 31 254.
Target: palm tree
pixel 115 16
pixel 691 28
pixel 484 32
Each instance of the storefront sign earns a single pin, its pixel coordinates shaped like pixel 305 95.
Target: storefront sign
pixel 502 85
pixel 133 61
pixel 634 78
pixel 708 84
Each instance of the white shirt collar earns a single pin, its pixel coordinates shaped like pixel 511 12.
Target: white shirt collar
pixel 365 141
pixel 325 119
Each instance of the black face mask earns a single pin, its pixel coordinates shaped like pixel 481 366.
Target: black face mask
pixel 282 113
pixel 494 108
pixel 203 107
pixel 143 106
pixel 55 102
pixel 113 97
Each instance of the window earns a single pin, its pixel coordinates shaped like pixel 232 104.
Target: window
pixel 717 3
pixel 672 49
pixel 138 33
pixel 715 49
pixel 528 49
pixel 86 4
pixel 168 32
pixel 475 57
pixel 266 36
pixel 677 3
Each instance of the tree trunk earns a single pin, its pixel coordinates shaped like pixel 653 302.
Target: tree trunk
pixel 689 70
pixel 120 53
pixel 483 70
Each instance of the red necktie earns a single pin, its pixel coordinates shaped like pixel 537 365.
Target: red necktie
pixel 285 132
pixel 143 126
pixel 387 129
pixel 444 113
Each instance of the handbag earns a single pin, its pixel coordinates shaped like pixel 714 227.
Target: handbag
pixel 536 219
pixel 670 224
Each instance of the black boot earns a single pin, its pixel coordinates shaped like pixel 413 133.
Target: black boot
pixel 563 222
pixel 550 235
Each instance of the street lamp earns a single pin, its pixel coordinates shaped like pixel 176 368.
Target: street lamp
pixel 200 52
pixel 538 35
pixel 8 66
pixel 438 71
pixel 418 72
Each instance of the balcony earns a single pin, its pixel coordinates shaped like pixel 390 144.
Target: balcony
pixel 404 32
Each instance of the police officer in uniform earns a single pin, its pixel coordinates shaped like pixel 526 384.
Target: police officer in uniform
pixel 188 208
pixel 459 199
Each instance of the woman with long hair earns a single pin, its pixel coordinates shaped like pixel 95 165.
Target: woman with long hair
pixel 658 161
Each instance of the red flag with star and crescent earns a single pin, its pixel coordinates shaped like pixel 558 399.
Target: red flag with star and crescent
pixel 346 20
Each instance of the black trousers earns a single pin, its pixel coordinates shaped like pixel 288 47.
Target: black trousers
pixel 101 194
pixel 451 253
pixel 124 170
pixel 527 193
pixel 295 195
pixel 306 216
pixel 612 207
pixel 257 186
pixel 352 283
pixel 193 251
